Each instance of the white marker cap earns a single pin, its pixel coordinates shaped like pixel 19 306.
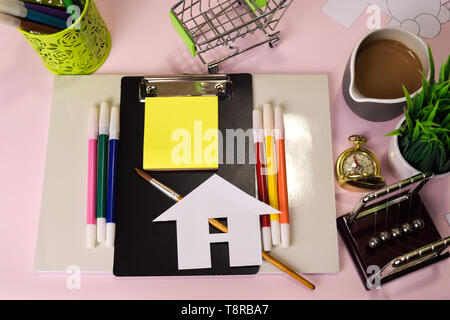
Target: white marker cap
pixel 13 9
pixel 114 126
pixel 266 238
pixel 16 2
pixel 103 127
pixel 101 230
pixel 91 236
pixel 285 235
pixel 9 21
pixel 268 119
pixel 110 234
pixel 275 227
pixel 258 133
pixel 93 123
pixel 279 123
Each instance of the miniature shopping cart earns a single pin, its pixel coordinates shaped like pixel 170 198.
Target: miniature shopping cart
pixel 217 30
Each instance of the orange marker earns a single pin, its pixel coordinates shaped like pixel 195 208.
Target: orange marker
pixel 282 180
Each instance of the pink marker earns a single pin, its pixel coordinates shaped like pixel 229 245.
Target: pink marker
pixel 91 221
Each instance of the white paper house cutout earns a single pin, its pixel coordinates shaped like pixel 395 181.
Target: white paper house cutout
pixel 217 198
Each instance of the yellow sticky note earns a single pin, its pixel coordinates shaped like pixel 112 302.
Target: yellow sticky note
pixel 181 133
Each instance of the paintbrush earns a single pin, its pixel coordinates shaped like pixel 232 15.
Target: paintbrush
pixel 220 226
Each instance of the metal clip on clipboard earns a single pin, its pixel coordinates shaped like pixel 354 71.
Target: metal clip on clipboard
pixel 392 229
pixel 185 86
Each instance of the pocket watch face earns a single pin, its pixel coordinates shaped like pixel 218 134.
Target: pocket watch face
pixel 358 163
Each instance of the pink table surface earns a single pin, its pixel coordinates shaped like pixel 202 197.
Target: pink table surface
pixel 143 42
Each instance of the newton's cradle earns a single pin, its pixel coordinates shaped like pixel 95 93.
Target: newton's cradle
pixel 392 229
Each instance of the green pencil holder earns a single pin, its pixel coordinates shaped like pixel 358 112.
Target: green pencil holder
pixel 80 49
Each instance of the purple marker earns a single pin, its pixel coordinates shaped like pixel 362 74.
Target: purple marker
pixel 42 9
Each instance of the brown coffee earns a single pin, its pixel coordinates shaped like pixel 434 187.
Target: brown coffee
pixel 383 66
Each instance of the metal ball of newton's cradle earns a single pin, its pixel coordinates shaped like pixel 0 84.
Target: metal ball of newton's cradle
pixel 385 236
pixel 396 233
pixel 374 242
pixel 407 228
pixel 418 224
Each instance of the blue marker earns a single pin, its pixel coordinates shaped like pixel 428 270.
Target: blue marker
pixel 114 132
pixel 21 12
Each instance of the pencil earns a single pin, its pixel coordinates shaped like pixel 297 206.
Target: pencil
pixel 271 172
pixel 218 225
pixel 282 179
pixel 258 139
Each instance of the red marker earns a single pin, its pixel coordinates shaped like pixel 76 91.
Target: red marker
pixel 258 138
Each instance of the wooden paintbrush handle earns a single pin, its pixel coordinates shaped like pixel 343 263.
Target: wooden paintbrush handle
pixel 290 272
pixel 220 226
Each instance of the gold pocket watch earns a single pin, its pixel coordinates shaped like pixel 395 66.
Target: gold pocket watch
pixel 359 167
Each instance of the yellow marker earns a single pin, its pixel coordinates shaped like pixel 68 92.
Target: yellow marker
pixel 271 172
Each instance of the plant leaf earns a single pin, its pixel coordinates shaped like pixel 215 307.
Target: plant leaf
pixel 433 112
pixel 396 132
pixel 409 101
pixel 440 159
pixel 416 151
pixel 444 90
pixel 432 67
pixel 425 87
pixel 404 144
pixel 416 131
pixel 408 122
pixel 446 122
pixel 446 69
pixel 442 73
pixel 418 101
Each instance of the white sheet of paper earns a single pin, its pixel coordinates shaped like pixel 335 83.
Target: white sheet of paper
pixel 346 12
pixel 423 18
pixel 217 198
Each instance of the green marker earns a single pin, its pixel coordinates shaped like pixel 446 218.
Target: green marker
pixel 67 3
pixel 102 171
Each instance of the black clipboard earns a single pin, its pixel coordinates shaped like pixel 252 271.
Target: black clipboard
pixel 145 248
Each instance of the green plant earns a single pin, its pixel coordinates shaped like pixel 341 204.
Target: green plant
pixel 424 137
